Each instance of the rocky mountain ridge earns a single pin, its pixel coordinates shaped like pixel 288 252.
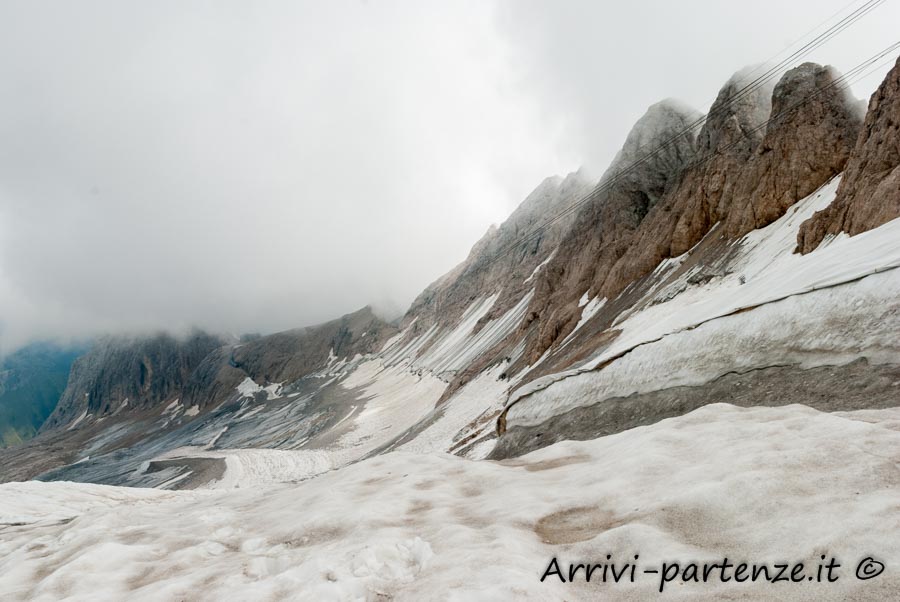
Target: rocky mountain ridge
pixel 137 373
pixel 738 178
pixel 129 372
pixel 581 282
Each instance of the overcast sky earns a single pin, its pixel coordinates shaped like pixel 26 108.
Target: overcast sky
pixel 254 166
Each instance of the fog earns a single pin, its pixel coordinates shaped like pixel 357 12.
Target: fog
pixel 249 167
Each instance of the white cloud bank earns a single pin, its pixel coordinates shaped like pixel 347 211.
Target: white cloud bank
pixel 250 167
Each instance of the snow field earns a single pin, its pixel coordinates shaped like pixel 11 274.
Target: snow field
pixel 757 485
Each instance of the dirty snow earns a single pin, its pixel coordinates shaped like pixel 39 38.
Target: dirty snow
pixel 761 485
pixel 248 387
pixel 456 350
pixel 395 400
pixel 482 398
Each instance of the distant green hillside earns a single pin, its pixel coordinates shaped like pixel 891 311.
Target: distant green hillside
pixel 31 382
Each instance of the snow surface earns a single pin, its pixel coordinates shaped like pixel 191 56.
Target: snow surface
pixel 479 401
pixel 248 387
pixel 539 267
pixel 761 485
pixel 457 350
pixel 453 350
pixel 588 310
pixel 392 399
pixel 396 399
pixel 254 467
pixel 78 420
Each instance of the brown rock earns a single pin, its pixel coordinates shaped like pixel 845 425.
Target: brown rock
pixel 869 193
pixel 808 140
pixel 603 228
pixel 738 175
pixel 501 261
pixel 742 177
pixel 702 197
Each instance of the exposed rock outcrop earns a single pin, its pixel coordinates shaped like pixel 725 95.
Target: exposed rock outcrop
pixel 812 130
pixel 138 373
pixel 869 193
pixel 729 136
pixel 292 354
pixel 752 160
pixel 286 356
pixel 133 372
pixel 603 227
pixel 501 262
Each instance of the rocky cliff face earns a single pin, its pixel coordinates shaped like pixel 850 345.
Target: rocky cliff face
pixel 741 172
pixel 813 128
pixel 869 193
pixel 747 172
pixel 703 195
pixel 601 230
pixel 286 356
pixel 135 372
pixel 125 374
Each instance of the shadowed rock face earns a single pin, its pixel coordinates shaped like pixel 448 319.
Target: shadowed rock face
pixel 813 129
pixel 144 371
pixel 286 356
pixel 203 369
pixel 869 193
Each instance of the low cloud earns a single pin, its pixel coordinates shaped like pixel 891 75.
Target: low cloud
pixel 248 167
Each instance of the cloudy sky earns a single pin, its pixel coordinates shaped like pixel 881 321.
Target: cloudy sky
pixel 253 166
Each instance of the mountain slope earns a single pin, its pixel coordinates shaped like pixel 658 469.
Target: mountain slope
pixel 673 272
pixel 122 372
